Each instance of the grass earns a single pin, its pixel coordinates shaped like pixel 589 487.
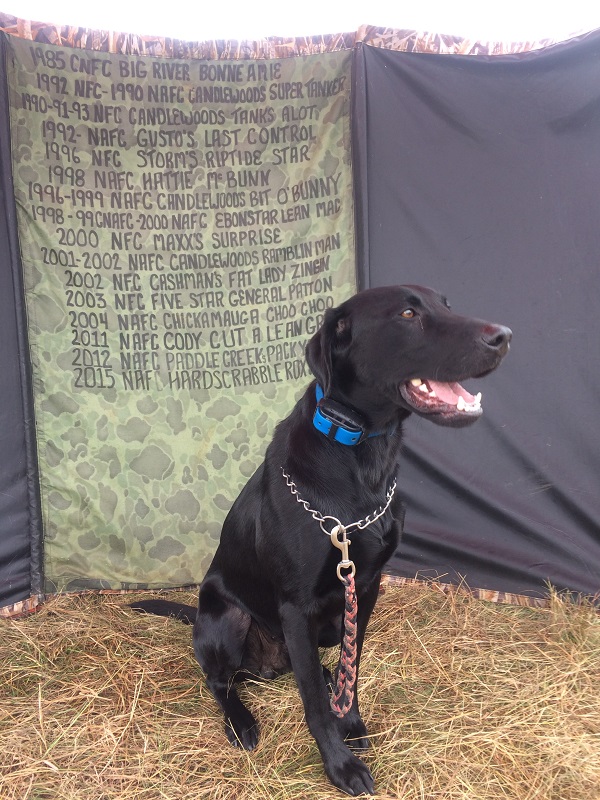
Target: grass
pixel 463 700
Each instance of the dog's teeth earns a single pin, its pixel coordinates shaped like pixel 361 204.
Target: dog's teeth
pixel 477 401
pixel 423 388
pixel 416 382
pixel 460 405
pixel 432 394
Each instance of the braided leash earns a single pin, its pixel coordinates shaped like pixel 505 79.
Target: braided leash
pixel 343 693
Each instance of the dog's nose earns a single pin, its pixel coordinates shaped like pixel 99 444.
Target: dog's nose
pixel 497 337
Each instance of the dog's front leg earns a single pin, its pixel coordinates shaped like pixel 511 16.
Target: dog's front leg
pixel 343 768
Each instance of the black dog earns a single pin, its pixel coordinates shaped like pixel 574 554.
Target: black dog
pixel 272 596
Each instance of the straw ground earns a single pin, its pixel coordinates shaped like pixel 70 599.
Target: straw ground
pixel 463 699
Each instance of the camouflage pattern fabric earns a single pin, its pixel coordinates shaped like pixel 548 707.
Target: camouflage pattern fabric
pixel 408 40
pixel 183 226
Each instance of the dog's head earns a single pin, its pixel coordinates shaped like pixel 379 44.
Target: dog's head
pixel 401 347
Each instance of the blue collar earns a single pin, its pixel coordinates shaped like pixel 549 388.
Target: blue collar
pixel 339 423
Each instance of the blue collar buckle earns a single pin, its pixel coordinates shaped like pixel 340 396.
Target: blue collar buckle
pixel 339 423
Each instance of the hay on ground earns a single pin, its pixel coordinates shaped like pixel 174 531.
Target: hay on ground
pixel 463 700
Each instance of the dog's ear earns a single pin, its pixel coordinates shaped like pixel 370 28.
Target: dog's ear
pixel 332 338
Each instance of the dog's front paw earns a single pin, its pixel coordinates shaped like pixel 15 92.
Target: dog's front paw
pixel 242 730
pixel 351 775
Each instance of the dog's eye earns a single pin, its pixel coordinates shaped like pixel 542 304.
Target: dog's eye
pixel 408 313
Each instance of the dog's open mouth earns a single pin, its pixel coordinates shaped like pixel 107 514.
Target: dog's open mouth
pixel 443 399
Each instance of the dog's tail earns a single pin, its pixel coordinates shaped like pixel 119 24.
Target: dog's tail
pixel 165 608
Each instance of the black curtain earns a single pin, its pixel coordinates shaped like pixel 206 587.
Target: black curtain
pixel 20 520
pixel 480 176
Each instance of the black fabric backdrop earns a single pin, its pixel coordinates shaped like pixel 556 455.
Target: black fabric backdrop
pixel 20 520
pixel 478 176
pixel 481 177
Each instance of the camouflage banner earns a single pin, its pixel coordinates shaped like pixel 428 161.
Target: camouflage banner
pixel 184 225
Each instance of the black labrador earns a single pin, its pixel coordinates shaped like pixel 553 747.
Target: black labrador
pixel 271 596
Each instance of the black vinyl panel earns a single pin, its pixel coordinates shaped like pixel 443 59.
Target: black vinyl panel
pixel 20 520
pixel 483 180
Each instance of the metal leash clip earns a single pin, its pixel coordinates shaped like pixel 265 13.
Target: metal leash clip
pixel 342 544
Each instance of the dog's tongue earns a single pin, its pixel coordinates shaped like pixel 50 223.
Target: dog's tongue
pixel 450 392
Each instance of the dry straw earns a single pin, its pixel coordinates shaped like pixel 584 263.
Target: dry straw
pixel 464 699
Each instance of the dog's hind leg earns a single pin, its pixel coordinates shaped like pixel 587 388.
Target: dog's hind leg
pixel 220 632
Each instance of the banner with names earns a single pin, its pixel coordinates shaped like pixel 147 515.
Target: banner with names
pixel 184 225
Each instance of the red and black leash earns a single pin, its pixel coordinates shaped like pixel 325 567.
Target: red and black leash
pixel 342 696
pixel 343 692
